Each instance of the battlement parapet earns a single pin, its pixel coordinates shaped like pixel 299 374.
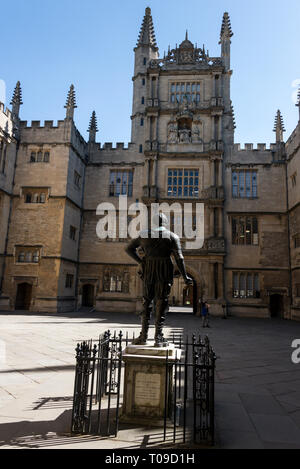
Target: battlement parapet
pixel 250 147
pixel 37 124
pixel 109 146
pixel 5 110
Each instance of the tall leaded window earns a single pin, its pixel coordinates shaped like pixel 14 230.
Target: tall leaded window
pixel 35 195
pixel 190 90
pixel 244 183
pixel 27 254
pixel 245 285
pixel 39 157
pixel 120 183
pixel 69 280
pixel 116 282
pixel 244 231
pixel 183 183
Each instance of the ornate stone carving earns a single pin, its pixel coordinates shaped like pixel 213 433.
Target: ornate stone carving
pixel 186 54
pixel 184 135
pixel 214 193
pixel 214 244
pixel 182 128
pixel 197 133
pixel 172 132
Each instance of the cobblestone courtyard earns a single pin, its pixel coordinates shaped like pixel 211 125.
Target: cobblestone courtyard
pixel 257 385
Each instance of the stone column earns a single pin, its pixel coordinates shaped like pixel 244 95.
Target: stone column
pixel 220 224
pixel 211 282
pixel 146 173
pixel 154 130
pixel 211 222
pixel 212 172
pixel 154 171
pixel 219 128
pixel 220 181
pixel 221 281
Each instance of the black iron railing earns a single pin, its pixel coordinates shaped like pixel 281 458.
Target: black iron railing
pixel 189 388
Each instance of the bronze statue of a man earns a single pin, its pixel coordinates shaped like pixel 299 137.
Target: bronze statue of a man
pixel 157 275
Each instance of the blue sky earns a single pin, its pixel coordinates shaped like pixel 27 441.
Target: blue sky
pixel 49 44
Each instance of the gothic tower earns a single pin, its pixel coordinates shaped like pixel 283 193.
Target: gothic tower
pixel 145 50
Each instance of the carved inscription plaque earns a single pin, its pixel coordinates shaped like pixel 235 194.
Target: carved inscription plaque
pixel 147 389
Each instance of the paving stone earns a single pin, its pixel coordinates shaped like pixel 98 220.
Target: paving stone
pixel 261 404
pixel 239 439
pixel 292 398
pixel 233 417
pixel 276 428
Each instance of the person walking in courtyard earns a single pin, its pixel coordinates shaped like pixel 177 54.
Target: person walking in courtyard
pixel 205 314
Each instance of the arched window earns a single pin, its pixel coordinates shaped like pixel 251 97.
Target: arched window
pixel 35 198
pixel 106 281
pixel 28 257
pixel 39 156
pixel 126 282
pixel 33 157
pixel 36 256
pixel 21 257
pixel 119 283
pixel 112 286
pixel 28 198
pixel 42 198
pixel 46 157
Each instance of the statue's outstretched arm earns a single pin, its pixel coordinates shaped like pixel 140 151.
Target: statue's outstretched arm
pixel 177 252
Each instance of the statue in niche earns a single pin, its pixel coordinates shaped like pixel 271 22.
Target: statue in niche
pixel 172 132
pixel 196 133
pixel 184 132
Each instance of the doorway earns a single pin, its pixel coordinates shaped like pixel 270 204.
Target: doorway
pixel 88 295
pixel 183 298
pixel 276 306
pixel 23 297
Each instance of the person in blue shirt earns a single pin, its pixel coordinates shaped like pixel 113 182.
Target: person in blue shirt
pixel 205 314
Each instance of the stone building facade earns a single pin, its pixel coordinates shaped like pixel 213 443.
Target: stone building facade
pixel 182 151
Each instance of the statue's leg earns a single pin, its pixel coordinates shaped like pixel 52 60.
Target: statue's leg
pixel 145 316
pixel 161 310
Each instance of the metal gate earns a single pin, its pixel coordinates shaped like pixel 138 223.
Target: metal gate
pixel 99 380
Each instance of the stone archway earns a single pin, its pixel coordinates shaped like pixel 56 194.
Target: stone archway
pixel 184 298
pixel 23 296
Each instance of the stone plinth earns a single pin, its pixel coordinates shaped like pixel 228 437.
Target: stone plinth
pixel 146 375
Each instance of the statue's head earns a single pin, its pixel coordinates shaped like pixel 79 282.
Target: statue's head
pixel 160 220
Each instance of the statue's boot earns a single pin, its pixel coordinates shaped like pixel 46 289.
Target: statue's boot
pixel 142 338
pixel 161 312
